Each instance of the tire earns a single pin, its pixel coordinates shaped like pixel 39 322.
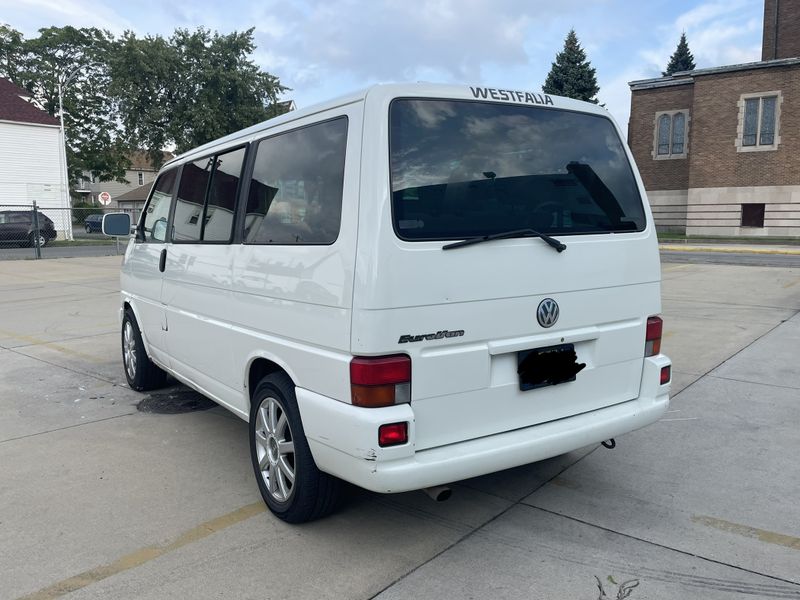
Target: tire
pixel 141 373
pixel 42 240
pixel 88 228
pixel 292 486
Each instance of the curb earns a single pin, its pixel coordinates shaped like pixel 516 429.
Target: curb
pixel 727 249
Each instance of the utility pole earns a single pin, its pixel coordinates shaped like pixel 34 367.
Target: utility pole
pixel 63 82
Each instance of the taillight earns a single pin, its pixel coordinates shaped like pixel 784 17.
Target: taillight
pixel 377 381
pixel 666 374
pixel 652 339
pixel 392 434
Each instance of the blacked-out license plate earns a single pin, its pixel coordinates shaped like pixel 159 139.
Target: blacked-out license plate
pixel 550 365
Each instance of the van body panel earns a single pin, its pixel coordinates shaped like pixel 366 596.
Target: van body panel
pixel 410 468
pixel 141 284
pixel 463 316
pixel 465 387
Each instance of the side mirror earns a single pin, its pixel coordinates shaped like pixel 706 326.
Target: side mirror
pixel 117 224
pixel 160 230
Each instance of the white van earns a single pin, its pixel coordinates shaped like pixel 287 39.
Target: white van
pixel 404 287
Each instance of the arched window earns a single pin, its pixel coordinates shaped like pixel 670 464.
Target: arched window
pixel 671 134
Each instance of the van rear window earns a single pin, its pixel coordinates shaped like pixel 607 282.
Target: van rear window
pixel 461 169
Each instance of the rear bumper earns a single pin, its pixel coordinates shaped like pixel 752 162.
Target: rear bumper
pixel 343 439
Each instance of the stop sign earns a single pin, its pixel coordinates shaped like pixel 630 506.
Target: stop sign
pixel 105 198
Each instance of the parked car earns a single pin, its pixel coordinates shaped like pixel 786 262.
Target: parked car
pixel 404 287
pixel 17 227
pixel 93 223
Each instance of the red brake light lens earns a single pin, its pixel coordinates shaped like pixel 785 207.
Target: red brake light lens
pixel 392 434
pixel 380 370
pixel 380 381
pixel 666 374
pixel 652 339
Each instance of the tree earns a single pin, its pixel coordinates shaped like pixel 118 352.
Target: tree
pixel 681 59
pixel 12 54
pixel 94 141
pixel 94 137
pixel 189 89
pixel 572 75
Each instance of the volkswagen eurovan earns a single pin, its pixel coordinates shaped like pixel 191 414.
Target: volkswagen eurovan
pixel 404 287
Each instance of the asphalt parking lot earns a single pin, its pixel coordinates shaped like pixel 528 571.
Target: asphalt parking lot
pixel 101 500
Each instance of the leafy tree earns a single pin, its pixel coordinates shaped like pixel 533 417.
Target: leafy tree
pixel 190 88
pixel 681 59
pixel 12 54
pixel 572 75
pixel 74 57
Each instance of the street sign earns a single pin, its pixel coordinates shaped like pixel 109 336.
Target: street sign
pixel 105 198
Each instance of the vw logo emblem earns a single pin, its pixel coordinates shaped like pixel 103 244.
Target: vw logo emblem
pixel 547 313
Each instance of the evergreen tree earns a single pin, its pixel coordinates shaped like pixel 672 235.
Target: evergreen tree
pixel 681 59
pixel 572 75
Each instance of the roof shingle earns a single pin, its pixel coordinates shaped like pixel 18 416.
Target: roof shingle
pixel 14 108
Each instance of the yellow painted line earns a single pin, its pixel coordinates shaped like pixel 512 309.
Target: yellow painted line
pixel 791 283
pixel 145 555
pixel 728 249
pixel 762 535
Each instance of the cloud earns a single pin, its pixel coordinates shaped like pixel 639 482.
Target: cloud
pixel 26 15
pixel 715 31
pixel 381 40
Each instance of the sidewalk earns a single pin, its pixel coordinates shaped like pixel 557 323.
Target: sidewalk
pixel 729 247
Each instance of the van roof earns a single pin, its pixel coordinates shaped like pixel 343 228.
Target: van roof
pixel 388 91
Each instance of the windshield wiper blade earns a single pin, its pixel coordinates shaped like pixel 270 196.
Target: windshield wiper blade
pixel 504 235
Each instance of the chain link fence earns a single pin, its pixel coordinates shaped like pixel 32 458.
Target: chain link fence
pixel 31 231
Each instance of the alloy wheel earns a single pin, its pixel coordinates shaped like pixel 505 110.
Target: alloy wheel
pixel 129 350
pixel 275 449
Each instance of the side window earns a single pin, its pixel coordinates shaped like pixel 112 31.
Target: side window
pixel 221 204
pixel 188 218
pixel 156 212
pixel 296 190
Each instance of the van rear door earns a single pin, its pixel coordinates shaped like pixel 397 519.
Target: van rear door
pixel 480 320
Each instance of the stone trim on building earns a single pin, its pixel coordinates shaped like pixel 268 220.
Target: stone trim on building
pixel 718 211
pixel 740 122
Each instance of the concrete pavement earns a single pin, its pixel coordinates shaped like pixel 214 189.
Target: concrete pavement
pixel 100 500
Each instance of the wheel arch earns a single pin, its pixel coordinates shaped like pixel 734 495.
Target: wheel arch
pixel 259 366
pixel 128 304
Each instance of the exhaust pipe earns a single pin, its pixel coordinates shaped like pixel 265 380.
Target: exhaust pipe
pixel 610 444
pixel 438 493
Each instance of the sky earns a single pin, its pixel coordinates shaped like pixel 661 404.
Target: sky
pixel 324 48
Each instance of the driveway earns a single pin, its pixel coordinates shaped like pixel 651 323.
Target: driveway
pixel 99 499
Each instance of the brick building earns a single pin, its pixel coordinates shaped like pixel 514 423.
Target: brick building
pixel 719 148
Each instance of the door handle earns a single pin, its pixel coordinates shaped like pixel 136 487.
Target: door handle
pixel 162 261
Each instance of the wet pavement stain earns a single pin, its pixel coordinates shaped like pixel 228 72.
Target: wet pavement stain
pixel 173 401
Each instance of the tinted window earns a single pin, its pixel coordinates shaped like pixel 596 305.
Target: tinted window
pixel 221 205
pixel 157 211
pixel 463 169
pixel 296 191
pixel 188 218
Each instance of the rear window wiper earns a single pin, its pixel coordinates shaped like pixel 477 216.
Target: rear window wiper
pixel 504 235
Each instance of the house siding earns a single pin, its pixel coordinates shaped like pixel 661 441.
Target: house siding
pixel 30 165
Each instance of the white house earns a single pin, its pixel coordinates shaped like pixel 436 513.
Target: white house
pixel 30 157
